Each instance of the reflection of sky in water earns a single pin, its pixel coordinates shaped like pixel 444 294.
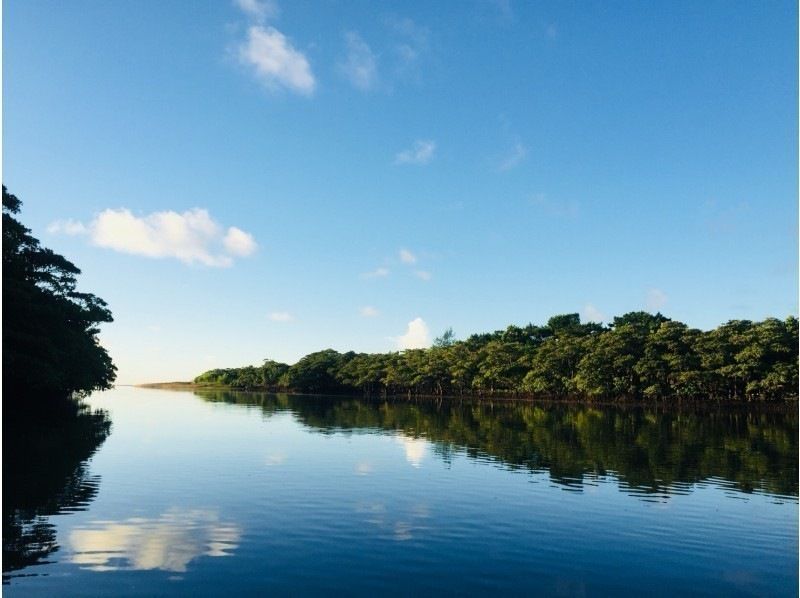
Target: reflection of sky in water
pixel 168 543
pixel 339 496
pixel 276 458
pixel 415 449
pixel 399 524
pixel 363 468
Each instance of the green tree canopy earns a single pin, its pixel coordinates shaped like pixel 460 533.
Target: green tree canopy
pixel 50 329
pixel 639 355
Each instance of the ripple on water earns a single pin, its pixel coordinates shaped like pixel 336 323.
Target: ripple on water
pixel 308 495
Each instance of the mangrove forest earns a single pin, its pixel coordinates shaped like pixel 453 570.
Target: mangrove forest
pixel 636 356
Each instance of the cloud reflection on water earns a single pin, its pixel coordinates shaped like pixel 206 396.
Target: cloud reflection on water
pixel 168 543
pixel 400 523
pixel 415 449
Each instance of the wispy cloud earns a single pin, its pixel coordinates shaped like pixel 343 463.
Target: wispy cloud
pixel 563 209
pixel 376 273
pixel 258 10
pixel 269 54
pixel 369 312
pixel 656 299
pixel 423 275
pixel 514 158
pixel 275 62
pixel 408 258
pixel 417 335
pixel 281 316
pixel 67 227
pixel 398 57
pixel 191 237
pixel 591 314
pixel 503 9
pixel 411 43
pixel 361 65
pixel 421 153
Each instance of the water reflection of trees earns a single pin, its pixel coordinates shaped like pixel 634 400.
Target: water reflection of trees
pixel 45 473
pixel 650 449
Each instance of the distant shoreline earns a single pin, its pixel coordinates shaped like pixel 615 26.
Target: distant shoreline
pixel 486 398
pixel 182 386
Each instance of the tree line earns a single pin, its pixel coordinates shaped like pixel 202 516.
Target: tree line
pixel 636 356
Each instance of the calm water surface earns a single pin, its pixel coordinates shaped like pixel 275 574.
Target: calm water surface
pixel 246 493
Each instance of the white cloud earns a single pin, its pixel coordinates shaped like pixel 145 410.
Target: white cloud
pixel 369 312
pixel 377 273
pixel 361 65
pixel 407 257
pixel 275 62
pixel 192 236
pixel 516 156
pixel 258 10
pixel 656 299
pixel 281 316
pixel 238 242
pixel 591 314
pixel 421 153
pixel 417 335
pixel 423 274
pixel 67 227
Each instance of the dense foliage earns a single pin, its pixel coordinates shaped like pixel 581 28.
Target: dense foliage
pixel 638 355
pixel 50 347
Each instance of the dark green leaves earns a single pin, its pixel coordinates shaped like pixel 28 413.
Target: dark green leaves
pixel 49 328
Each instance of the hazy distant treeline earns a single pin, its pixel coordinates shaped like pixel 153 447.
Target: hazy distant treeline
pixel 637 355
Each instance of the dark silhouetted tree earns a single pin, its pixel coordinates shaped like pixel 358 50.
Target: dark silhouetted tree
pixel 50 347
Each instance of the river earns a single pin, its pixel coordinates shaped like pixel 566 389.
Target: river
pixel 212 493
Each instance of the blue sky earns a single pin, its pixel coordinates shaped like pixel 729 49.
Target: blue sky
pixel 249 179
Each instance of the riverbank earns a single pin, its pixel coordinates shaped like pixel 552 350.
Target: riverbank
pixel 182 386
pixel 784 404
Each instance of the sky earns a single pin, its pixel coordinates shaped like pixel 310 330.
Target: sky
pixel 255 179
